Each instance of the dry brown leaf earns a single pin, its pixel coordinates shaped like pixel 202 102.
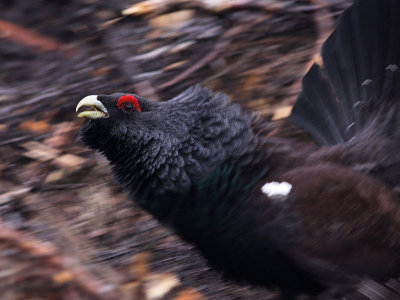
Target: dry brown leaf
pixel 35 126
pixel 39 154
pixel 172 20
pixel 55 176
pixel 140 267
pixel 141 8
pixel 39 151
pixel 70 161
pixel 282 112
pixel 189 294
pixel 157 286
pixel 63 277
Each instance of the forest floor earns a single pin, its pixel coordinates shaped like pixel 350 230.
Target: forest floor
pixel 67 231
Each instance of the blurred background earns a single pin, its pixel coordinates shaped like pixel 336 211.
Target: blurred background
pixel 66 230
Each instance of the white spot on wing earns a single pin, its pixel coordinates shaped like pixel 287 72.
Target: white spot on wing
pixel 276 189
pixel 367 82
pixel 392 68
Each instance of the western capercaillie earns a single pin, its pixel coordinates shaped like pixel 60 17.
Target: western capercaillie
pixel 309 204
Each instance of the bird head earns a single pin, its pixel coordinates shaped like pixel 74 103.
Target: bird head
pixel 165 145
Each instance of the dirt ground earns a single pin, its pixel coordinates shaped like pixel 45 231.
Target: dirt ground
pixel 67 231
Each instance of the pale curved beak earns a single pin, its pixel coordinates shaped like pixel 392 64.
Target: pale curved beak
pixel 96 109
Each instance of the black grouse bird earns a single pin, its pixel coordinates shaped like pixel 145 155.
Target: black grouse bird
pixel 309 204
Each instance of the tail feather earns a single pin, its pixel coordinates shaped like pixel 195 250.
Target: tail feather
pixel 359 79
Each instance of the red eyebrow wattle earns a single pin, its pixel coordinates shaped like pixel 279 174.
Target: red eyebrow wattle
pixel 130 99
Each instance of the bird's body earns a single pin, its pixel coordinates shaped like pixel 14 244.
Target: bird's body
pixel 308 204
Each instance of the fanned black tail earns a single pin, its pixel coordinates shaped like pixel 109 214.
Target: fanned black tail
pixel 358 85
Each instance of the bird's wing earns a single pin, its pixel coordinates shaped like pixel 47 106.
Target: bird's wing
pixel 358 82
pixel 347 218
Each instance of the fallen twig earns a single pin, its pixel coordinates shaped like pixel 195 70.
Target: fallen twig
pixel 221 45
pixel 28 37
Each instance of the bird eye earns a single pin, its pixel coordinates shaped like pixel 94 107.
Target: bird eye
pixel 128 103
pixel 127 107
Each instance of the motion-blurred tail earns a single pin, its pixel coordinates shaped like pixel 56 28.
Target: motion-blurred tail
pixel 358 85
